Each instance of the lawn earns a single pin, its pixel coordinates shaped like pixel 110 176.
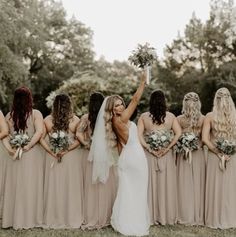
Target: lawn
pixel 159 231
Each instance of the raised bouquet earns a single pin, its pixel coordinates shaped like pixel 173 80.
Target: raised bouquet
pixel 17 141
pixel 187 143
pixel 59 141
pixel 227 148
pixel 159 139
pixel 143 57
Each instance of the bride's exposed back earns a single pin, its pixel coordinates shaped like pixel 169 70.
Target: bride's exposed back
pixel 114 134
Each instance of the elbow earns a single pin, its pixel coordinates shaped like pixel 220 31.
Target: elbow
pixel 205 140
pixel 4 134
pixel 177 135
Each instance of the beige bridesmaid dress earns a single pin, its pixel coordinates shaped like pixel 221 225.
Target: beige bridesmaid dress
pixel 3 165
pixel 23 194
pixel 64 191
pixel 220 204
pixel 99 198
pixel 191 183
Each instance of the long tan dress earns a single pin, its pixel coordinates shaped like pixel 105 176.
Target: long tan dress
pixel 191 182
pixel 162 193
pixel 23 195
pixel 99 198
pixel 3 165
pixel 220 204
pixel 63 191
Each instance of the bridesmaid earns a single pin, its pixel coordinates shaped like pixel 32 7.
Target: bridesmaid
pixel 162 193
pixel 3 158
pixel 220 205
pixel 23 195
pixel 63 190
pixel 99 197
pixel 191 176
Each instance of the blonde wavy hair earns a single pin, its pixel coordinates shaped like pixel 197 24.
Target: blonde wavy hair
pixel 110 134
pixel 192 109
pixel 224 114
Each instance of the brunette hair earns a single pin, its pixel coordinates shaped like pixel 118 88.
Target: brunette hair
pixel 21 108
pixel 157 107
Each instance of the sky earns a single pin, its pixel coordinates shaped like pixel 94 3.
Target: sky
pixel 120 25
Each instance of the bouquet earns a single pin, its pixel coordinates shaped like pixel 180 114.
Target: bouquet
pixel 187 143
pixel 59 141
pixel 143 57
pixel 226 147
pixel 18 140
pixel 159 139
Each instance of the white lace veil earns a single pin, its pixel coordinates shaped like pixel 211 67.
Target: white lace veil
pixel 100 153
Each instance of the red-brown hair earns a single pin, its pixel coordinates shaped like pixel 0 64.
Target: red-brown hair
pixel 21 108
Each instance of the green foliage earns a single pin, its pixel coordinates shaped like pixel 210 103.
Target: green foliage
pixel 39 47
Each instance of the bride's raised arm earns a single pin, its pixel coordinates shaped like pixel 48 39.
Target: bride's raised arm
pixel 127 113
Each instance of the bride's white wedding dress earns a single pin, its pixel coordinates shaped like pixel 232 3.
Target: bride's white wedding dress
pixel 130 211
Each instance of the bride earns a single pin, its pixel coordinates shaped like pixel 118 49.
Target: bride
pixel 115 133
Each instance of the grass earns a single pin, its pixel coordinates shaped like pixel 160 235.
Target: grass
pixel 159 231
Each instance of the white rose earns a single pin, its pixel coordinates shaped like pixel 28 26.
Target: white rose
pixel 191 137
pixel 163 138
pixel 54 135
pixel 61 134
pixel 154 137
pixel 17 137
pixel 25 136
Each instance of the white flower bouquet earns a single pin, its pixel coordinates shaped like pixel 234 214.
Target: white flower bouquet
pixel 187 143
pixel 59 141
pixel 143 57
pixel 18 140
pixel 159 139
pixel 227 148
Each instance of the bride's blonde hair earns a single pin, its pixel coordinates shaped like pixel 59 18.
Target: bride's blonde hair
pixel 192 109
pixel 110 134
pixel 224 114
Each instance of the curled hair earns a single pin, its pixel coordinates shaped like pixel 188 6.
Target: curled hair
pixel 62 112
pixel 224 114
pixel 157 107
pixel 192 109
pixel 21 108
pixel 95 103
pixel 110 134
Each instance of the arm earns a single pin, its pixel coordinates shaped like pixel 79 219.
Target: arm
pixel 3 126
pixel 80 130
pixel 141 129
pixel 44 144
pixel 177 131
pixel 75 143
pixel 38 124
pixel 206 134
pixel 125 116
pixel 5 140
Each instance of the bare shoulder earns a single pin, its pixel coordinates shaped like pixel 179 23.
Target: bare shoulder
pixel 8 115
pixel 170 115
pixel 84 117
pixel 209 116
pixel 37 112
pixel 117 122
pixel 76 119
pixel 144 115
pixel 180 117
pixel 48 120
